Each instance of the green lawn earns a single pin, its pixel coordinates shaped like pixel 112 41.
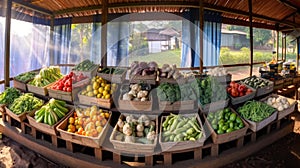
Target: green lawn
pixel 165 57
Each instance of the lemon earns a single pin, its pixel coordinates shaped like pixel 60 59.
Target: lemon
pixel 90 94
pixel 95 92
pixel 107 96
pixel 99 80
pixel 89 88
pixel 107 87
pixel 99 95
pixel 100 89
pixel 103 84
pixel 95 85
pixel 105 93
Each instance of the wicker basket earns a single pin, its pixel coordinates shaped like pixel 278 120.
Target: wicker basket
pixel 226 137
pixel 256 126
pixel 51 130
pixel 176 106
pixel 214 106
pixel 134 147
pixel 86 100
pixel 183 145
pixel 94 142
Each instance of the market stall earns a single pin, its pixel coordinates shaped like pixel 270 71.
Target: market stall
pixel 159 115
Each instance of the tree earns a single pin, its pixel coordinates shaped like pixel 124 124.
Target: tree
pixel 80 42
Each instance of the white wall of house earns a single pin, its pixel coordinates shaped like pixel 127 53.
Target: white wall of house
pixel 154 46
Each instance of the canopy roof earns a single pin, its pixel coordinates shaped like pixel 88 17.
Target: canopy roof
pixel 272 14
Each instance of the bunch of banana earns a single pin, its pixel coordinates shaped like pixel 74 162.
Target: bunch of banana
pixel 46 76
pixel 52 112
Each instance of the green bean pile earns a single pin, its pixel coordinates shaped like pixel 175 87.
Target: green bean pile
pixel 255 111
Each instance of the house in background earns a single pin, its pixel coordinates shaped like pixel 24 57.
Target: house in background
pixel 162 39
pixel 234 39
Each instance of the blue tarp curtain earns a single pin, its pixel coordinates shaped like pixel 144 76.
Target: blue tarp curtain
pixel 190 38
pixel 61 42
pixel 117 42
pixel 96 40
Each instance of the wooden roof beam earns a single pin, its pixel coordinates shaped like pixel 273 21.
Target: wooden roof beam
pixel 244 13
pixel 33 7
pixel 290 15
pixel 77 9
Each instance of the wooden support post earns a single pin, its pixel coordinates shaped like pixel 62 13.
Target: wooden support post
pixel 149 160
pixel 104 33
pixel 298 54
pixel 251 35
pixel 277 42
pixel 7 42
pixel 51 51
pixel 117 157
pixel 253 137
pixel 98 153
pixel 9 120
pixel 278 124
pixel 214 150
pixel 54 140
pixel 167 159
pixel 201 40
pixel 269 128
pixel 69 146
pixel 33 132
pixel 240 142
pixel 23 127
pixel 198 153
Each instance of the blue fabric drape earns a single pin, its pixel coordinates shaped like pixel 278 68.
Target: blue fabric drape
pixel 62 40
pixel 117 43
pixel 190 38
pixel 96 40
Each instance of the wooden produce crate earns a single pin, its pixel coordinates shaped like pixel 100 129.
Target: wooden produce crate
pixel 265 90
pixel 82 83
pixel 58 94
pixel 90 73
pixel 128 105
pixel 182 145
pixel 134 147
pixel 214 106
pixel 288 81
pixel 86 100
pixel 176 106
pixel 113 78
pixel 2 108
pixel 94 142
pixel 150 79
pixel 296 79
pixel 21 117
pixel 238 100
pixel 20 85
pixel 256 126
pixel 282 114
pixel 51 130
pixel 39 90
pixel 226 137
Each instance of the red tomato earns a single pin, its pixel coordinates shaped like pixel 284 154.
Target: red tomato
pixel 69 89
